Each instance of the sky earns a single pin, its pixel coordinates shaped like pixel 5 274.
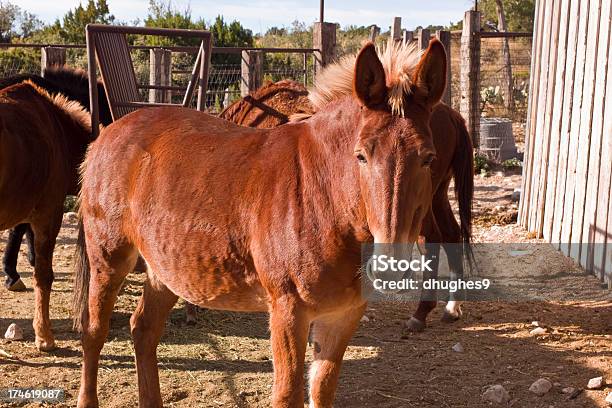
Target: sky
pixel 259 15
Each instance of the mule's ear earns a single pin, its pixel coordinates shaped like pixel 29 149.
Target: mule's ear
pixel 369 78
pixel 430 75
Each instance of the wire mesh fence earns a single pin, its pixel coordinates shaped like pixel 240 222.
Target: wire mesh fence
pixel 505 64
pixel 225 74
pixel 502 94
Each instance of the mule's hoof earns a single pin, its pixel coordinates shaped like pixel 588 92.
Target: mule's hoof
pixel 449 317
pixel 86 402
pixel 17 286
pixel 414 325
pixel 45 345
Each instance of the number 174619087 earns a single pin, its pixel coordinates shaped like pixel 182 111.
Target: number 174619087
pixel 49 395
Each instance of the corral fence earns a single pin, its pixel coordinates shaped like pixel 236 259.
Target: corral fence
pixel 235 71
pixel 567 187
pixel 489 71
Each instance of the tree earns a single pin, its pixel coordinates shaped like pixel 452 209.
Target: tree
pixel 508 80
pixel 74 22
pixel 71 28
pixel 16 23
pixel 163 14
pixel 519 14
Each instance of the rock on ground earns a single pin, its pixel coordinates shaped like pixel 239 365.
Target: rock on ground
pixel 541 386
pixel 538 331
pixel 13 332
pixel 458 348
pixel 496 394
pixel 595 383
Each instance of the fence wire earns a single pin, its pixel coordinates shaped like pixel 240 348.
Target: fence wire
pixel 504 95
pixel 225 74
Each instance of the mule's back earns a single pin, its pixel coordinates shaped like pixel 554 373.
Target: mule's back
pixel 269 106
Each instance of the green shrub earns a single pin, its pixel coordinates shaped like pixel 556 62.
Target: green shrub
pixel 71 204
pixel 481 164
pixel 512 164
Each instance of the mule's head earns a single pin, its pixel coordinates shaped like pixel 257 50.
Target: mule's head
pixel 394 148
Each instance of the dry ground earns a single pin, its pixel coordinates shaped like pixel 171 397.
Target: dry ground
pixel 225 360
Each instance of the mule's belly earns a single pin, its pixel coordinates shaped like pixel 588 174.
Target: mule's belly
pixel 218 278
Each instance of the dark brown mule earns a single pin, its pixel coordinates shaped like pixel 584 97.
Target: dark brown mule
pixel 269 106
pixel 454 160
pixel 74 85
pixel 245 219
pixel 43 140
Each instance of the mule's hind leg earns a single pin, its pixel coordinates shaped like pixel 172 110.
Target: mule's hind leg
pixel 330 336
pixel 147 323
pixel 30 241
pixel 45 233
pixel 191 312
pixel 451 233
pixel 13 281
pixel 109 267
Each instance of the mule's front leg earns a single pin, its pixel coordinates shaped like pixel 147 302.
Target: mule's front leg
pixel 45 234
pixel 289 334
pixel 330 336
pixel 429 298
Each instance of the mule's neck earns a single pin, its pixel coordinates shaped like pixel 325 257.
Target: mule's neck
pixel 329 148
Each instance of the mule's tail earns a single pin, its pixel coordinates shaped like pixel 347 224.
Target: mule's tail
pixel 463 170
pixel 81 280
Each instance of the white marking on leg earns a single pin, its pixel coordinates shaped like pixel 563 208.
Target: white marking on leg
pixel 312 374
pixel 454 307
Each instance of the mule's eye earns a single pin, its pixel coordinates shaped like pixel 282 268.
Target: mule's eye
pixel 428 160
pixel 361 158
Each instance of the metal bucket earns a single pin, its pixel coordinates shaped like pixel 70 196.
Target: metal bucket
pixel 497 139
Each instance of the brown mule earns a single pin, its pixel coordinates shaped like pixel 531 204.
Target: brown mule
pixel 269 106
pixel 244 219
pixel 454 160
pixel 43 140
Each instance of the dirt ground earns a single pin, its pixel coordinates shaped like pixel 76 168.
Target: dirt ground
pixel 225 360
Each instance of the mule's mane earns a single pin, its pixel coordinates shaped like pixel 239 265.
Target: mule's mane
pixel 399 62
pixel 71 108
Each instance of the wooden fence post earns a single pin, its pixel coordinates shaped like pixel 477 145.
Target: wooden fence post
pixel 445 38
pixel 160 63
pixel 50 57
pixel 408 37
pixel 252 71
pixel 324 39
pixel 423 37
pixel 374 32
pixel 396 29
pixel 470 74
